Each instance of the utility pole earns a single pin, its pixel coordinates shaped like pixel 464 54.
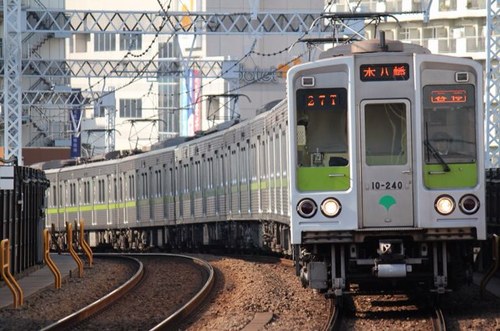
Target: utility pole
pixel 12 90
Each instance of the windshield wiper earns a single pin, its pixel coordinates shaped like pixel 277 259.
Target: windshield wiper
pixel 432 149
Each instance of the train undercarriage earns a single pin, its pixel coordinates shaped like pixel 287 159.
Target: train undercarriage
pixel 370 263
pixel 228 236
pixel 385 264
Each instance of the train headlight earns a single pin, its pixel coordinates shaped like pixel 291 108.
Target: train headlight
pixel 444 204
pixel 469 204
pixel 307 208
pixel 331 207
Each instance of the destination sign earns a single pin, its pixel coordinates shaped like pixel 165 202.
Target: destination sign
pixel 384 72
pixel 325 99
pixel 448 95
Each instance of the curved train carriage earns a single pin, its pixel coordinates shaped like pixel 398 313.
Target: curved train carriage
pixel 371 171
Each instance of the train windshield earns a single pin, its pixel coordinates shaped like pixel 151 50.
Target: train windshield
pixel 449 124
pixel 322 127
pixel 386 134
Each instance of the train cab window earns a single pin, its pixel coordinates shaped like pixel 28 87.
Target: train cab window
pixel 385 134
pixel 449 124
pixel 322 127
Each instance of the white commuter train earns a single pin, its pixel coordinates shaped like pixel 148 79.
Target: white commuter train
pixel 348 175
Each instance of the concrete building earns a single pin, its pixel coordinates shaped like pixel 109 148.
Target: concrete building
pixel 184 100
pixel 146 71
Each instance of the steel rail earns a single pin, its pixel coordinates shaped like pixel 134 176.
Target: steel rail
pixel 438 321
pixel 172 320
pixel 107 300
pixel 103 302
pixel 335 319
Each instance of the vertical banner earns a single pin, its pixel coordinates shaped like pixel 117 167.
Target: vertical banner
pixel 196 100
pixel 184 104
pixel 75 119
pixel 190 91
pixel 190 103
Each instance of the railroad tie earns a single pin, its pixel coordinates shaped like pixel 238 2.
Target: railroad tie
pixel 258 321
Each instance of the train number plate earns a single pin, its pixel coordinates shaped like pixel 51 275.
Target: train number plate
pixel 389 185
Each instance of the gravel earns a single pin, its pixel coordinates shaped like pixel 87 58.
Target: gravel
pixel 49 305
pixel 246 287
pixel 243 288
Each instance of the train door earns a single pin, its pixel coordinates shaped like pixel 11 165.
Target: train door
pixel 386 163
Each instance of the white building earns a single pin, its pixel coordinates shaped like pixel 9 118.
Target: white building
pixel 190 100
pixel 144 79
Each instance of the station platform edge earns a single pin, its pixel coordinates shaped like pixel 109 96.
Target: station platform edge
pixel 40 278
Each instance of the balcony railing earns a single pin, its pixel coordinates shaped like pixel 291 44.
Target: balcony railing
pixel 464 45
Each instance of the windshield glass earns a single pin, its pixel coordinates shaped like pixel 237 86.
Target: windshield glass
pixel 449 124
pixel 322 127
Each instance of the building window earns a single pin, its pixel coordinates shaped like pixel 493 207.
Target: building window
pixel 104 42
pixel 78 42
pixel 99 111
pixel 131 108
pixel 130 41
pixel 169 89
pixel 409 34
pixel 447 5
pixel 435 32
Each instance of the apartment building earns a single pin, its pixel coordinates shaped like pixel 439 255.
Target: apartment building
pixel 184 97
pixel 147 78
pixel 452 27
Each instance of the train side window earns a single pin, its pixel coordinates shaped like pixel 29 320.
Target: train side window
pixel 120 188
pixel 72 194
pixel 54 196
pixel 131 187
pixel 60 196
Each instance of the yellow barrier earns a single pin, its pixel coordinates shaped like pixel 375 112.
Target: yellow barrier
pixel 85 246
pixel 11 282
pixel 69 233
pixel 48 260
pixel 494 267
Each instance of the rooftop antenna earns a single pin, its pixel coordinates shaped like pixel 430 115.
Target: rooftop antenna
pixel 382 43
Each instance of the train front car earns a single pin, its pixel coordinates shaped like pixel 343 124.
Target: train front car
pixel 386 167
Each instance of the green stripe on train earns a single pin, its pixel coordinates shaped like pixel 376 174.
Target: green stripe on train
pixel 88 208
pixel 460 175
pixel 323 178
pixel 169 199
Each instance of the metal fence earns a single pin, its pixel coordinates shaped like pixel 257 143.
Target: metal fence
pixel 22 211
pixel 493 200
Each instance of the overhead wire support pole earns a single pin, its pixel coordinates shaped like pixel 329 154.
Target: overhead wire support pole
pixel 12 89
pixel 492 88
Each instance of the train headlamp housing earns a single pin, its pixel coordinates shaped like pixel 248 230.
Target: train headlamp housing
pixel 307 208
pixel 331 207
pixel 444 204
pixel 469 204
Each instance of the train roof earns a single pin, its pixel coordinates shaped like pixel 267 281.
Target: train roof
pixel 169 142
pixel 373 46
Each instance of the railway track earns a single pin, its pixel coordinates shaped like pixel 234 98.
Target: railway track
pixel 122 307
pixel 335 320
pixel 392 311
pixel 438 321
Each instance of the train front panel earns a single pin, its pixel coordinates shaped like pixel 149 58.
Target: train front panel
pixel 386 167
